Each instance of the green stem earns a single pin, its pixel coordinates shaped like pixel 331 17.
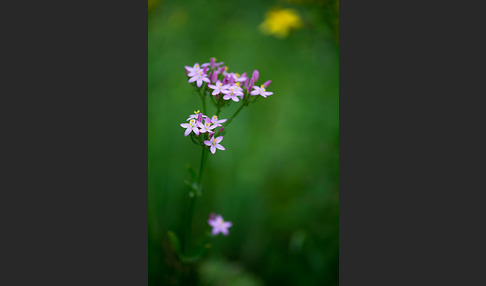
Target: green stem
pixel 236 113
pixel 192 205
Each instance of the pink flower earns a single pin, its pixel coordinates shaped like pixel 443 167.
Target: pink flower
pixel 219 225
pixel 237 77
pixel 196 115
pixel 217 122
pixel 192 71
pixel 199 78
pixel 191 126
pixel 261 91
pixel 233 92
pixel 212 63
pixel 218 87
pixel 206 127
pixel 214 143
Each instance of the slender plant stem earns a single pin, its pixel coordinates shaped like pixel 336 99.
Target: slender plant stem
pixel 192 203
pixel 236 113
pixel 201 167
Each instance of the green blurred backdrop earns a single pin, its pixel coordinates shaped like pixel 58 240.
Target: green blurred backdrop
pixel 277 181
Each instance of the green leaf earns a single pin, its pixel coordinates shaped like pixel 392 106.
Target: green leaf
pixel 197 255
pixel 174 241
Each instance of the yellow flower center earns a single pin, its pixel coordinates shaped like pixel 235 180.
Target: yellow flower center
pixel 196 112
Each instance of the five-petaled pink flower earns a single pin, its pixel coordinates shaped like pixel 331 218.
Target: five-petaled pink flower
pixel 261 91
pixel 233 92
pixel 214 143
pixel 219 225
pixel 199 78
pixel 218 87
pixel 206 127
pixel 217 122
pixel 196 115
pixel 191 126
pixel 192 71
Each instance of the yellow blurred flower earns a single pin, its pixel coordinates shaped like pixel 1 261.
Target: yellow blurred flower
pixel 279 22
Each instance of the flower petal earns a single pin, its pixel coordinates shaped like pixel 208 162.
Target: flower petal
pixel 220 147
pixel 207 142
pixel 219 139
pixel 213 149
pixel 188 130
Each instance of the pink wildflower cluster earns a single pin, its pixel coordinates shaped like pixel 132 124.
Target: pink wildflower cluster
pixel 197 127
pixel 230 85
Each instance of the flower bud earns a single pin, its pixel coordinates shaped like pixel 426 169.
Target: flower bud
pixel 254 78
pixel 214 76
pixel 255 75
pixel 199 117
pixel 267 83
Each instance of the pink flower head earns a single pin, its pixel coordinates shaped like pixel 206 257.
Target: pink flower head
pixel 233 92
pixel 261 91
pixel 192 71
pixel 217 122
pixel 199 78
pixel 191 126
pixel 237 78
pixel 218 87
pixel 207 126
pixel 196 115
pixel 219 225
pixel 267 83
pixel 212 63
pixel 214 143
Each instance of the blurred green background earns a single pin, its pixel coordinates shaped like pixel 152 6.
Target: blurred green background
pixel 277 181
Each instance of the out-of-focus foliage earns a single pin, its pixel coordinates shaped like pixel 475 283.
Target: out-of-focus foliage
pixel 277 180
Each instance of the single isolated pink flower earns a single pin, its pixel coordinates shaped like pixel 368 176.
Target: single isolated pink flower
pixel 191 126
pixel 261 91
pixel 218 87
pixel 199 78
pixel 214 143
pixel 219 225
